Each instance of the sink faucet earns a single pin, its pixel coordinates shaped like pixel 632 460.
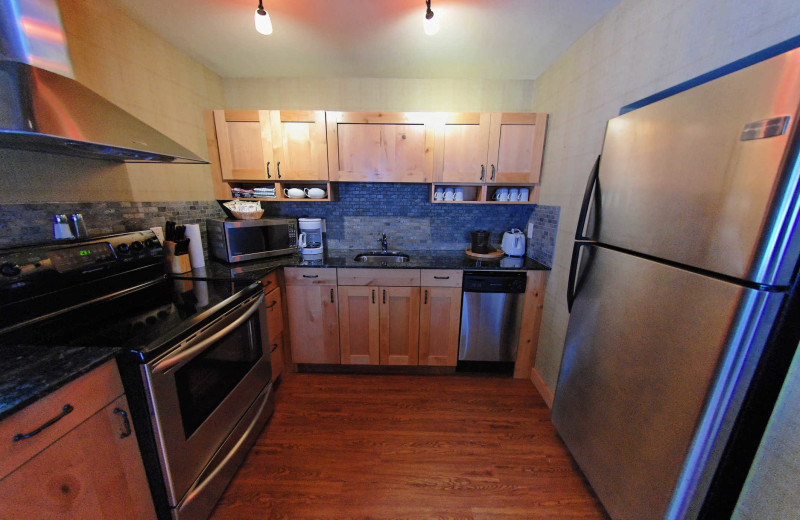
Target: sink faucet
pixel 384 243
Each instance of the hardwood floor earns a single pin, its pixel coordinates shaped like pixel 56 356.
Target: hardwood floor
pixel 343 446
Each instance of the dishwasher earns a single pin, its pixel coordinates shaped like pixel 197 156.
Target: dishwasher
pixel 491 313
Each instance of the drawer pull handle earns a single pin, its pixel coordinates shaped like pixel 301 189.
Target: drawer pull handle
pixel 273 304
pixel 373 296
pixel 126 424
pixel 310 276
pixel 441 277
pixel 268 282
pixel 384 296
pixel 66 410
pixel 331 295
pixel 426 297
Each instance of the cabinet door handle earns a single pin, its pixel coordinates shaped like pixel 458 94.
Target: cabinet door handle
pixel 310 276
pixel 266 284
pixel 384 296
pixel 268 175
pixel 426 297
pixel 273 304
pixel 279 169
pixel 126 424
pixel 331 295
pixel 483 171
pixel 373 296
pixel 441 277
pixel 65 410
pixel 489 179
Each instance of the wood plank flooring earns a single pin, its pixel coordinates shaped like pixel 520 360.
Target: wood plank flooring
pixel 343 446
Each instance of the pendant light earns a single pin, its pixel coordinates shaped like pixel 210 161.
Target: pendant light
pixel 263 23
pixel 431 24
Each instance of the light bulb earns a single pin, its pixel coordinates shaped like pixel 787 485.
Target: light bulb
pixel 263 23
pixel 431 25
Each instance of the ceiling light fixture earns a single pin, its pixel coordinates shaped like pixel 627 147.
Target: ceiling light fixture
pixel 431 24
pixel 263 23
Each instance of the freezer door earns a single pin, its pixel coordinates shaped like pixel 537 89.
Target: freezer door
pixel 699 178
pixel 653 358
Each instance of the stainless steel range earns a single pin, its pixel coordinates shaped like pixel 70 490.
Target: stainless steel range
pixel 193 359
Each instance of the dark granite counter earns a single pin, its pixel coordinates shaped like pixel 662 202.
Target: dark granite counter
pixel 28 373
pixel 257 269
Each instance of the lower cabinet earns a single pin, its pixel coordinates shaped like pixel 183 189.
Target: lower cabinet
pixel 93 471
pixel 439 320
pixel 312 305
pixel 399 325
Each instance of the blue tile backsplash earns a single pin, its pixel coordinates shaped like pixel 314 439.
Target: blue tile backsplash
pixel 545 226
pixel 404 212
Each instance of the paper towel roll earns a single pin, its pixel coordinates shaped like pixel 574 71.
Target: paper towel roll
pixel 195 245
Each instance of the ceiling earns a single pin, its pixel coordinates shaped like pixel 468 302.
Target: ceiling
pixel 502 39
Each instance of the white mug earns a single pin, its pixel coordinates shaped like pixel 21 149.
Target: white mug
pixel 513 194
pixel 523 194
pixel 501 194
pixel 458 194
pixel 293 193
pixel 439 195
pixel 448 194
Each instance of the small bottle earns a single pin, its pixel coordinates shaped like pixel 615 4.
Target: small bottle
pixel 77 225
pixel 61 227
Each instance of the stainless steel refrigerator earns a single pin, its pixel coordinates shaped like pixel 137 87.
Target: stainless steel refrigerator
pixel 681 288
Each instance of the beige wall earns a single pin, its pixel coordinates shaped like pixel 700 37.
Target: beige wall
pixel 639 48
pixel 140 72
pixel 374 94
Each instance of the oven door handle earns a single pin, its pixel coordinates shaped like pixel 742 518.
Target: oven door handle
pixel 197 348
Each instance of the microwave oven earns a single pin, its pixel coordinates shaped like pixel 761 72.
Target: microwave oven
pixel 239 240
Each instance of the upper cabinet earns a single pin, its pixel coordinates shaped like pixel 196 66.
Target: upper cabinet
pixel 271 145
pixel 490 148
pixel 380 146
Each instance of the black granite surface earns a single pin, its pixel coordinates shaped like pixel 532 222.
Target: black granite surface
pixel 28 373
pixel 257 269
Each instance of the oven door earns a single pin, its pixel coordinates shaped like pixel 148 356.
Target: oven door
pixel 253 239
pixel 200 389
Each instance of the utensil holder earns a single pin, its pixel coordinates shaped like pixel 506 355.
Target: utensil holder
pixel 175 264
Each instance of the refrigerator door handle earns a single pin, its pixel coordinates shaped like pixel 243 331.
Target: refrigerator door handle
pixel 587 199
pixel 576 277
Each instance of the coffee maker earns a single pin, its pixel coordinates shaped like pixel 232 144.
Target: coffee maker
pixel 312 232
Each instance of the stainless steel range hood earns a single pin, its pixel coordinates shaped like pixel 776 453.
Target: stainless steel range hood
pixel 48 112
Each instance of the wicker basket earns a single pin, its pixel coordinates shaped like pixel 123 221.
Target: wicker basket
pixel 247 215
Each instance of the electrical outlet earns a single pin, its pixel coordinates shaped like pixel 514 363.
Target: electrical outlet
pixel 530 229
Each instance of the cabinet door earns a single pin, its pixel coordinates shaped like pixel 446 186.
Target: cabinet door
pixel 244 138
pixel 299 144
pixel 439 319
pixel 462 144
pixel 399 325
pixel 92 472
pixel 379 147
pixel 359 319
pixel 516 145
pixel 272 301
pixel 313 323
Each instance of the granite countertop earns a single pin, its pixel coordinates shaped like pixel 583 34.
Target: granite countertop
pixel 257 269
pixel 28 373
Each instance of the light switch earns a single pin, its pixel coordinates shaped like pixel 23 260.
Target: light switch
pixel 530 229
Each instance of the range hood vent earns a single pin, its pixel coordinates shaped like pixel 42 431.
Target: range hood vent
pixel 46 112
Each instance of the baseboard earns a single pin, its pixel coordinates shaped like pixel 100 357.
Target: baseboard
pixel 542 387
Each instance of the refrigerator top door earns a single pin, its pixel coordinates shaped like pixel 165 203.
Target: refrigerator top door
pixel 654 363
pixel 708 177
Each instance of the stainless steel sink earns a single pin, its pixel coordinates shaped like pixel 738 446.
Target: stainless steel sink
pixel 380 257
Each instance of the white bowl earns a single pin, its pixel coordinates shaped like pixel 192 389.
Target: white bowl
pixel 315 193
pixel 294 193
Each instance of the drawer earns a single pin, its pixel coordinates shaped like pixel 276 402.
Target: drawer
pixel 272 301
pixel 270 281
pixel 309 276
pixel 441 277
pixel 276 356
pixel 86 395
pixel 379 277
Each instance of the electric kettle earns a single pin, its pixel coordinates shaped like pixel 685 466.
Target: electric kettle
pixel 513 242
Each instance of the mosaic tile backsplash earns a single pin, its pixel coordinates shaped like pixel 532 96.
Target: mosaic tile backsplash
pixel 363 212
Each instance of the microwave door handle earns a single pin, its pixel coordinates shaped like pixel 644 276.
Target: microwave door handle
pixel 197 348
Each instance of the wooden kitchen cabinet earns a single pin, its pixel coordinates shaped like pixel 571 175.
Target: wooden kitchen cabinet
pixel 312 306
pixel 439 317
pixel 489 148
pixel 93 470
pixel 359 325
pixel 274 307
pixel 399 325
pixel 380 146
pixel 299 145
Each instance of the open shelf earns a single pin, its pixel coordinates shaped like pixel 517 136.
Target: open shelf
pixel 483 193
pixel 331 192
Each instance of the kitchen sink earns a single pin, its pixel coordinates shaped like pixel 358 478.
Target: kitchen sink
pixel 380 257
